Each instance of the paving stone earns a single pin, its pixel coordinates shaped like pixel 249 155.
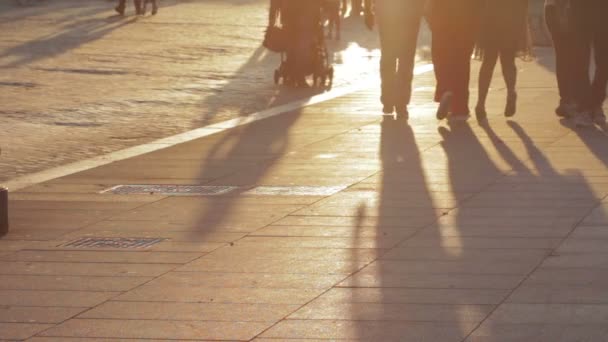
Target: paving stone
pixel 413 296
pixel 25 234
pixel 73 205
pixel 432 281
pixel 550 314
pixel 482 242
pixel 318 242
pixel 392 312
pixel 538 332
pixel 463 253
pixel 21 331
pixel 23 314
pixel 293 266
pixel 84 269
pixel 405 213
pixel 387 267
pixel 191 236
pixel 341 221
pixel 496 232
pixel 329 231
pixel 191 311
pixel 174 290
pixel 577 261
pixel 370 331
pixel 54 298
pixel 590 277
pixel 590 232
pixel 69 283
pixel 240 252
pixel 136 257
pixel 254 280
pixel 573 245
pixel 559 294
pixel 156 329
pixel 86 339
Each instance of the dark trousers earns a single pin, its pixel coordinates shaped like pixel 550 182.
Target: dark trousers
pixel 122 4
pixel 451 54
pixel 398 27
pixel 592 33
pixel 568 51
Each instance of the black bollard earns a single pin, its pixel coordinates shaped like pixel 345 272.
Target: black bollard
pixel 3 211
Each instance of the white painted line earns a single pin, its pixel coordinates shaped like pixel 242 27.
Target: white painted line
pixel 65 170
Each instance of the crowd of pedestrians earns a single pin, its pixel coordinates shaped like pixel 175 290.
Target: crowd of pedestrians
pixel 491 30
pixel 140 6
pixel 494 30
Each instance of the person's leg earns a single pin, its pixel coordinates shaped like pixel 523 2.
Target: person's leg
pixel 120 8
pixel 356 7
pixel 388 67
pixel 410 28
pixel 581 12
pixel 138 8
pixel 600 44
pixel 509 73
pixel 490 57
pixel 460 69
pixel 154 7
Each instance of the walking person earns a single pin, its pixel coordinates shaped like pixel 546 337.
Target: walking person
pixel 591 30
pixel 398 26
pixel 503 35
pixel 356 7
pixel 122 4
pixel 559 20
pixel 154 6
pixel 454 25
pixel 301 21
pixel 331 9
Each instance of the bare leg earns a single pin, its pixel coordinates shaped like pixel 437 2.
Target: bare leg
pixel 490 58
pixel 509 73
pixel 509 70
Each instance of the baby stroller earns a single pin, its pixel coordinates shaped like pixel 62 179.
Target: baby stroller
pixel 322 70
pixel 305 54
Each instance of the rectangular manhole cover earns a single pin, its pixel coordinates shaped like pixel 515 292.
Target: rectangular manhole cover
pixel 296 190
pixel 112 242
pixel 171 190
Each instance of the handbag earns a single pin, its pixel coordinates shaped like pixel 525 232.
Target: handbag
pixel 275 39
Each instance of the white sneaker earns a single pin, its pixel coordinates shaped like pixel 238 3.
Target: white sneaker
pixel 583 119
pixel 599 118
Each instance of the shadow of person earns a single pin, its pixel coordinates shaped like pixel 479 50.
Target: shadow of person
pixel 518 220
pixel 242 157
pixel 58 43
pixel 395 298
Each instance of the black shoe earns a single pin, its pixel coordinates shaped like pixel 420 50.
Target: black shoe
pixel 511 106
pixel 565 110
pixel 120 10
pixel 444 106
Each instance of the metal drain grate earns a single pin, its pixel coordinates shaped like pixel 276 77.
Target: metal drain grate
pixel 110 242
pixel 296 190
pixel 175 190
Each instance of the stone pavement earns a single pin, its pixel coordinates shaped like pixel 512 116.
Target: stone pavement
pixel 392 231
pixel 77 81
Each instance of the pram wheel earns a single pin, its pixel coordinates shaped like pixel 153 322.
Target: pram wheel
pixel 331 77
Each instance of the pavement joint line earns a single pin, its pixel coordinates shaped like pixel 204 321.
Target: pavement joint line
pixel 25 181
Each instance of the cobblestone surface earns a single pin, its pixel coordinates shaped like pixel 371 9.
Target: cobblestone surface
pixel 78 81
